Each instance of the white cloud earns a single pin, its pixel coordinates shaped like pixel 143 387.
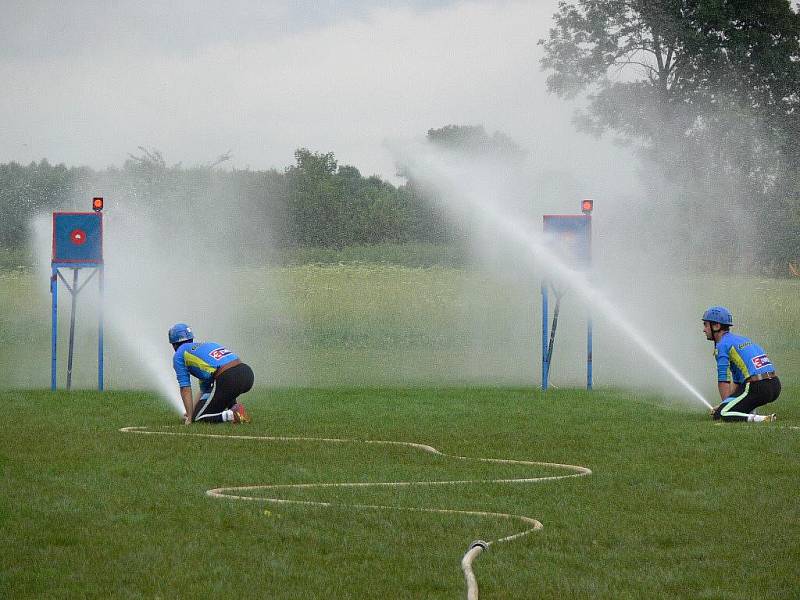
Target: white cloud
pixel 342 86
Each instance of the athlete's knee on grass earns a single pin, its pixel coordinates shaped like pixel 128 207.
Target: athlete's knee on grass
pixel 727 411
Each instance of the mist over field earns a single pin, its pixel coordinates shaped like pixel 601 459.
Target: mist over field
pixel 336 325
pixel 188 127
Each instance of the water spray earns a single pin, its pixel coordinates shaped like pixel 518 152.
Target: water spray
pixel 431 167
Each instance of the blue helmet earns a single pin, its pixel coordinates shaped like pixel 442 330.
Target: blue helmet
pixel 180 332
pixel 718 314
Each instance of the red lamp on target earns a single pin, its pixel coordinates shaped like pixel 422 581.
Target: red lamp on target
pixel 97 204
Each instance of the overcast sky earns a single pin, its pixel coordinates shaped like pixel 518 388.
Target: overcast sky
pixel 86 83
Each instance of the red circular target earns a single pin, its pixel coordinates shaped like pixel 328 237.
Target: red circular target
pixel 77 236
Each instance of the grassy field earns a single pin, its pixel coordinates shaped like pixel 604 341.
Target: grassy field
pixel 321 325
pixel 676 506
pixel 382 324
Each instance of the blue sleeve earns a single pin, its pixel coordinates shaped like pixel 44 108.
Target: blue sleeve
pixel 723 362
pixel 181 372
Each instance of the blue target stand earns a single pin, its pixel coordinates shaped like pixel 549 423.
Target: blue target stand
pixel 77 246
pixel 570 237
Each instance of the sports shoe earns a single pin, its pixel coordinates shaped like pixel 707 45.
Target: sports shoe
pixel 240 414
pixel 770 418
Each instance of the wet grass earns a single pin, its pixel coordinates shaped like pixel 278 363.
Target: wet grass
pixel 362 324
pixel 675 506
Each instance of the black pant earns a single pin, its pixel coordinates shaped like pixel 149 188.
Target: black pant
pixel 227 387
pixel 755 394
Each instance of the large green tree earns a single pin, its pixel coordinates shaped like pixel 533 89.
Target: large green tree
pixel 333 205
pixel 708 90
pixel 647 64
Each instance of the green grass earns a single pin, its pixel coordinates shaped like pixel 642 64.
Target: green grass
pixel 15 259
pixel 369 324
pixel 349 324
pixel 677 506
pixel 407 255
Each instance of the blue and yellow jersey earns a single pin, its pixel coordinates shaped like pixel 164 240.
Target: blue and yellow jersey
pixel 742 356
pixel 201 360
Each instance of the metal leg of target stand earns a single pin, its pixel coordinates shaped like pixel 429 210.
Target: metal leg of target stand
pixel 72 327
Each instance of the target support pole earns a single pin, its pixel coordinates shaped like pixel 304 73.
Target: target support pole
pixel 101 280
pixel 589 353
pixel 54 325
pixel 545 324
pixel 70 353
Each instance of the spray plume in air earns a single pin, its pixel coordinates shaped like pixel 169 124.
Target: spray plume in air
pixel 169 257
pixel 461 184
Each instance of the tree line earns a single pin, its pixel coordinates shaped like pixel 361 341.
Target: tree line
pixel 707 93
pixel 314 202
